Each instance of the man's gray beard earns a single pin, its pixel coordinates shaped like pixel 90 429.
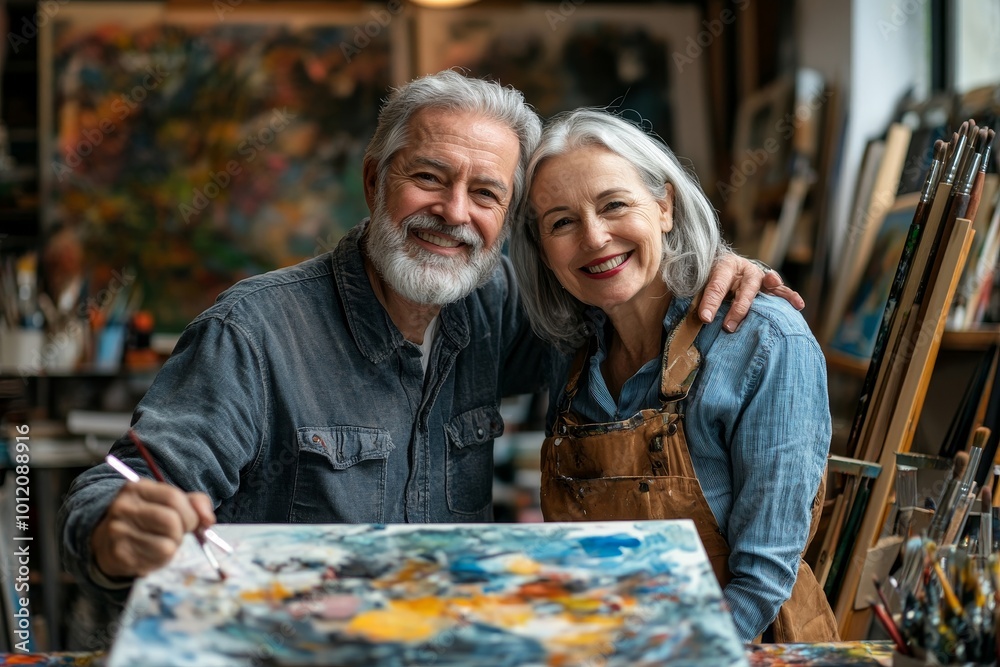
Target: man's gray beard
pixel 420 275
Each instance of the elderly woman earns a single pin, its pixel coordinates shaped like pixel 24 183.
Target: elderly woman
pixel 660 416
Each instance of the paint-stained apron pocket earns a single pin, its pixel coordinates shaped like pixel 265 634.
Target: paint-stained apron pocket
pixel 340 474
pixel 469 475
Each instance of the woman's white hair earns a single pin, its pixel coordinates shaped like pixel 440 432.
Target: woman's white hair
pixel 450 90
pixel 689 249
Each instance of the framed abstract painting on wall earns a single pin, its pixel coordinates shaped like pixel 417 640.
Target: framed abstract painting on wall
pixel 196 147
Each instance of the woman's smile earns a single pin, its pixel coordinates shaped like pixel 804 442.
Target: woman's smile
pixel 605 267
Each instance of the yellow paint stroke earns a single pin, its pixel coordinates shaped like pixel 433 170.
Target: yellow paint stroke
pixel 403 621
pixel 425 606
pixel 273 593
pixel 512 611
pixel 587 631
pixel 581 605
pixel 500 612
pixel 521 564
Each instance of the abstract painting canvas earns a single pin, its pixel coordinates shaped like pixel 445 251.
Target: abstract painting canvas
pixel 500 595
pixel 199 146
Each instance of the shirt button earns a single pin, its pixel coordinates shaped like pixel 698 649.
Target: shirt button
pixel 480 432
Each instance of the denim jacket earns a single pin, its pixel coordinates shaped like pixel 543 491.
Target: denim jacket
pixel 294 398
pixel 757 421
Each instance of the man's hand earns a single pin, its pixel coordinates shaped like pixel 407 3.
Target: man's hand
pixel 144 526
pixel 732 273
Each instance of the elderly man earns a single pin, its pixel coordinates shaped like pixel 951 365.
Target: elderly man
pixel 361 385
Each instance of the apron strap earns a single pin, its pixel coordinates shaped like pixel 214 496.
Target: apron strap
pixel 679 365
pixel 575 370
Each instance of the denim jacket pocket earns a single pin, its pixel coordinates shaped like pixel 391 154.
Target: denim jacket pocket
pixel 340 474
pixel 469 479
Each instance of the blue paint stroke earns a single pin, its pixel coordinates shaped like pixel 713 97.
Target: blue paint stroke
pixel 608 546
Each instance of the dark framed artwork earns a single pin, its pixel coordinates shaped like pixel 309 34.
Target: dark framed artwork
pixel 634 58
pixel 858 329
pixel 196 147
pixel 761 143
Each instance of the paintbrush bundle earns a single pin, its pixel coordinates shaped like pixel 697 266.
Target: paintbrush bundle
pixel 922 291
pixel 942 606
pixel 949 605
pixel 952 191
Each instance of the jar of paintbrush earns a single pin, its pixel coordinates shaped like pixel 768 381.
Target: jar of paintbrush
pixel 943 607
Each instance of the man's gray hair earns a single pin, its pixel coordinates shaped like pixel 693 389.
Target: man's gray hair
pixel 450 90
pixel 689 250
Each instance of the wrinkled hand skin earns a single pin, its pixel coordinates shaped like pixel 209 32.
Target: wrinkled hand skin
pixel 733 274
pixel 144 526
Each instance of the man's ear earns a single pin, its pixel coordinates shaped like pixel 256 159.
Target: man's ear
pixel 370 175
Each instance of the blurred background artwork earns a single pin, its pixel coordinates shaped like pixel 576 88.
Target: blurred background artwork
pixel 630 58
pixel 859 326
pixel 200 149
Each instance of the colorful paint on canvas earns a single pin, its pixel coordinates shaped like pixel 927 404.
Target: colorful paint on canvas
pixel 488 594
pixel 840 654
pixel 53 659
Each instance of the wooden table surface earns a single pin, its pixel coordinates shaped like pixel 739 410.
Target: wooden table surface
pixel 759 655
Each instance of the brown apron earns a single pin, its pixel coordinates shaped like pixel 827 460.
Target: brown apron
pixel 641 468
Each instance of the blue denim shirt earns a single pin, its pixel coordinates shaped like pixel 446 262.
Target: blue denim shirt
pixel 296 399
pixel 757 421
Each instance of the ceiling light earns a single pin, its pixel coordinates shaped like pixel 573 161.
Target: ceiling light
pixel 442 4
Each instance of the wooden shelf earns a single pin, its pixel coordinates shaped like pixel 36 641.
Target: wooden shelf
pixel 979 338
pixel 844 363
pixel 855 467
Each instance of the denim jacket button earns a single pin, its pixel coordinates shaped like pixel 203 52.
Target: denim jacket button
pixel 480 432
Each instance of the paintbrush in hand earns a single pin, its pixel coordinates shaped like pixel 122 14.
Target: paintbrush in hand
pixel 200 534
